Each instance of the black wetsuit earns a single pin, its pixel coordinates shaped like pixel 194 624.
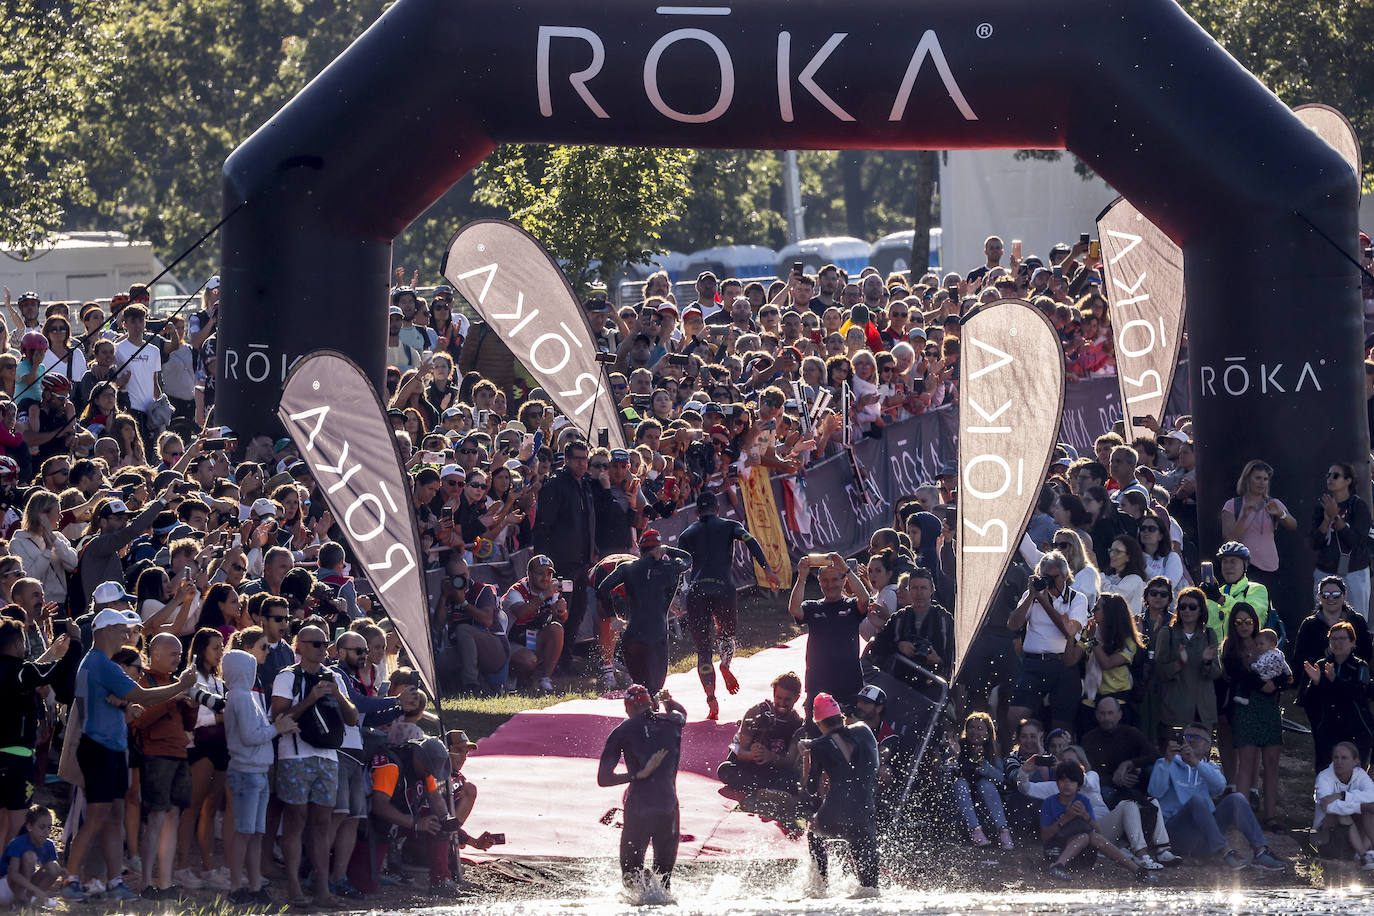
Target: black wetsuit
pixel 848 812
pixel 711 588
pixel 651 811
pixel 649 588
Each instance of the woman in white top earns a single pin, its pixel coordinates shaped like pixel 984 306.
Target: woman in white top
pixel 1160 559
pixel 44 550
pixel 1081 566
pixel 865 384
pixel 162 606
pixel 1127 574
pixel 880 578
pixel 1341 793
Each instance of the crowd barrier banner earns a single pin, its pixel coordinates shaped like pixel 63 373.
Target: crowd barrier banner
pixel 1092 405
pixel 333 414
pixel 1144 272
pixel 1010 402
pixel 521 292
pixel 756 492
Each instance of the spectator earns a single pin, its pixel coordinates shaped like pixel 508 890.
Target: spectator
pixel 1185 781
pixel 1126 574
pixel 44 550
pixel 763 754
pixel 921 631
pixel 538 612
pixel 1053 613
pixel 977 764
pixel 1069 831
pixel 478 650
pixel 21 712
pixel 1344 796
pixel 1338 534
pixel 1108 645
pixel 1337 698
pixel 564 531
pixel 166 777
pixel 1256 726
pixel 1234 587
pixel 1186 663
pixel 832 649
pixel 1160 558
pixel 1253 516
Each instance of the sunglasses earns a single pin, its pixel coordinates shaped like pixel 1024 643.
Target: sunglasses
pixel 276 618
pixel 900 314
pixel 1158 594
pixel 599 465
pixel 12 572
pixel 477 486
pixel 467 451
pixel 1323 594
pixel 312 643
pixel 1335 475
pixel 1189 606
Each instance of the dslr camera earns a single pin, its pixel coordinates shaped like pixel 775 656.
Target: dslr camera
pixel 1039 583
pixel 211 701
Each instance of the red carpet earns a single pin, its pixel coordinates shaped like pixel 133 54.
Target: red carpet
pixel 536 775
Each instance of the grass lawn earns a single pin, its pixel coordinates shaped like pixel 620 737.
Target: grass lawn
pixel 763 622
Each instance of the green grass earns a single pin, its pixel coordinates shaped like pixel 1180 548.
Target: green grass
pixel 763 622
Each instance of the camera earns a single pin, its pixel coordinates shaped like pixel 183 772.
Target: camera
pixel 606 359
pixel 679 359
pixel 1039 583
pixel 202 697
pixel 923 647
pixel 565 585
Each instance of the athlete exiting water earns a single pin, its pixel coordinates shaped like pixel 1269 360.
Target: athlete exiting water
pixel 650 742
pixel 711 591
pixel 848 756
pixel 649 582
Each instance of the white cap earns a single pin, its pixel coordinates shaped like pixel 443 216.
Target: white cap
pixel 109 593
pixel 263 506
pixel 116 506
pixel 213 282
pixel 1178 434
pixel 560 424
pixel 452 470
pixel 113 618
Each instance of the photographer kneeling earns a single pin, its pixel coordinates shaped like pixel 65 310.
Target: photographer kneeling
pixel 537 610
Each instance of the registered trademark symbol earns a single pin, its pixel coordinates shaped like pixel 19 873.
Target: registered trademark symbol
pixel 481 246
pixel 1011 332
pixel 984 30
pixel 315 386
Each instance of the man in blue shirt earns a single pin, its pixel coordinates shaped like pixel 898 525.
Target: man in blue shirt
pixel 1185 781
pixel 103 691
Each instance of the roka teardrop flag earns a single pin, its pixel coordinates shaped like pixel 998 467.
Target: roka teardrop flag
pixel 522 295
pixel 332 413
pixel 1144 273
pixel 1011 397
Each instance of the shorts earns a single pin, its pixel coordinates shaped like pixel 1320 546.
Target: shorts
pixel 16 782
pixel 1048 676
pixel 352 797
pixel 166 783
pixel 308 780
pixel 210 744
pixel 250 793
pixel 6 894
pixel 105 771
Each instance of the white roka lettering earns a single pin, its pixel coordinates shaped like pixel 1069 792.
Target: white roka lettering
pixel 927 48
pixel 367 515
pixel 987 476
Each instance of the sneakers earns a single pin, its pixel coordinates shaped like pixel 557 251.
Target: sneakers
pixel 243 897
pixel 546 685
pixel 133 865
pixel 188 879
pixel 1367 860
pixel 1060 873
pixel 1145 862
pixel 72 891
pixel 1232 860
pixel 1166 856
pixel 218 879
pixel 345 888
pixel 95 887
pixel 1004 839
pixel 120 891
pixel 1265 860
pixel 979 838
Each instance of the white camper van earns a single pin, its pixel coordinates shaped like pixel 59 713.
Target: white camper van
pixel 83 266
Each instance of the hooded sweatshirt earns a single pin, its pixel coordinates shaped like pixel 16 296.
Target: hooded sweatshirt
pixel 1174 783
pixel 245 723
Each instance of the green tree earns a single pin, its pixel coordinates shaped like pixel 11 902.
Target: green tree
pixel 732 199
pixel 597 209
pixel 55 59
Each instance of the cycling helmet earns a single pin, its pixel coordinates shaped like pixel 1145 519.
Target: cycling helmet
pixel 27 297
pixel 9 469
pixel 400 291
pixel 1234 549
pixel 33 340
pixel 57 383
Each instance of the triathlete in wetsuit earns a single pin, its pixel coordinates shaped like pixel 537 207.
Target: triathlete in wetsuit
pixel 848 756
pixel 608 608
pixel 711 591
pixel 650 743
pixel 650 583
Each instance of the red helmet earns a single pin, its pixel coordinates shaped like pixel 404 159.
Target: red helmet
pixel 33 340
pixel 9 469
pixel 57 383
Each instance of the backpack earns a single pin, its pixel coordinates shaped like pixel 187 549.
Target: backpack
pixel 322 725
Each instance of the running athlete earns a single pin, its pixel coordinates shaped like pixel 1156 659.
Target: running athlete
pixel 608 608
pixel 650 743
pixel 650 583
pixel 711 591
pixel 848 756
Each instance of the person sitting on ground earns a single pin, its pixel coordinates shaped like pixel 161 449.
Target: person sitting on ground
pixel 1344 796
pixel 1069 832
pixel 1185 781
pixel 29 864
pixel 1123 754
pixel 1024 763
pixel 763 755
pixel 976 764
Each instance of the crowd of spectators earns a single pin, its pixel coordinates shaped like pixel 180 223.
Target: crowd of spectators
pixel 183 637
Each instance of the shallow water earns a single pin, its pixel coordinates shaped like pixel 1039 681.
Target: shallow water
pixel 780 892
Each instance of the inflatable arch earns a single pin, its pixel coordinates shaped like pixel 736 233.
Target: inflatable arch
pixel 1264 210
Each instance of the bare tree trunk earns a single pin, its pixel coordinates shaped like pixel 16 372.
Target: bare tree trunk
pixel 925 192
pixel 851 176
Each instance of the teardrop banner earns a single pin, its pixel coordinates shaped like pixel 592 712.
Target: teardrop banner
pixel 1144 272
pixel 1335 128
pixel 332 413
pixel 1011 396
pixel 520 292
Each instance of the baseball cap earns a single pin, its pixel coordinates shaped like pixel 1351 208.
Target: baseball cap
pixel 948 469
pixel 395 310
pixel 706 501
pixel 109 593
pixel 450 412
pixel 281 445
pixel 825 707
pixel 916 331
pixel 113 507
pixel 694 405
pixel 460 738
pixel 539 561
pixel 111 617
pixel 1178 434
pixel 560 424
pixel 263 506
pixel 452 470
pixel 668 307
pixel 442 291
pixel 620 454
pixel 691 310
pixel 649 539
pixel 213 282
pixel 704 274
pixel 711 407
pixel 433 756
pixel 873 694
